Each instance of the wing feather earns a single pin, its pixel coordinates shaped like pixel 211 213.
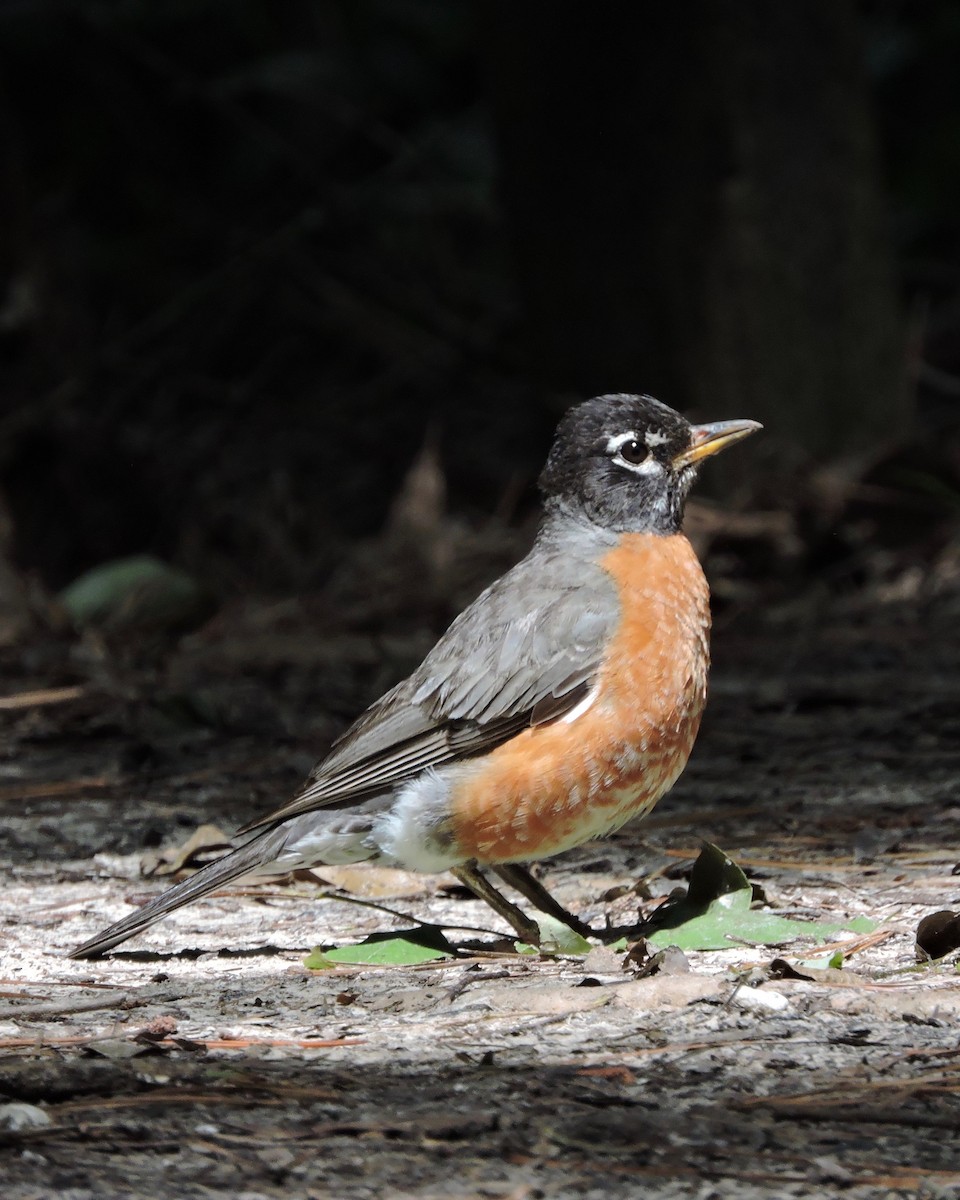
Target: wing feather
pixel 525 652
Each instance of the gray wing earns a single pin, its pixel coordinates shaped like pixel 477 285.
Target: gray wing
pixel 525 652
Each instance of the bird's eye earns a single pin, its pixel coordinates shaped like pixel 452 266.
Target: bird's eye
pixel 633 451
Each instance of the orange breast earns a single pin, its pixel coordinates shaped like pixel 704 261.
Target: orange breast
pixel 555 786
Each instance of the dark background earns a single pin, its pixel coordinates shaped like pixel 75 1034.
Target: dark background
pixel 291 296
pixel 255 257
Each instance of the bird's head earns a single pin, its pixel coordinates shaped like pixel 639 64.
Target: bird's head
pixel 627 462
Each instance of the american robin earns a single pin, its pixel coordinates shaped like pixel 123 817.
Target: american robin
pixel 561 703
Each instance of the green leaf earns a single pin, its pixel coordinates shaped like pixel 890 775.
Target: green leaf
pixel 555 938
pixel 714 874
pixel 716 913
pixel 134 593
pixel 385 949
pixel 824 963
pixel 730 919
pixel 316 960
pixel 559 938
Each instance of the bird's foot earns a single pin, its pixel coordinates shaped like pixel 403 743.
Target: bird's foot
pixel 532 889
pixel 526 930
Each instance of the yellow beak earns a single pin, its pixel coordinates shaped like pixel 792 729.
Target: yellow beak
pixel 706 440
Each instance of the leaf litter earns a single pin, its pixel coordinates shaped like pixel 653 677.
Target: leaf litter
pixel 490 1046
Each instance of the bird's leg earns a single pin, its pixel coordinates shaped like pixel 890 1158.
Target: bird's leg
pixel 470 876
pixel 517 876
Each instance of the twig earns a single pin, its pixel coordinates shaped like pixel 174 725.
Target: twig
pixel 248 1043
pixel 347 898
pixel 43 1043
pixel 66 1007
pixel 41 697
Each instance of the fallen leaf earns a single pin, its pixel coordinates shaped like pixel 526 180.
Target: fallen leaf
pixel 730 920
pixel 555 938
pixel 937 935
pixel 669 961
pixel 195 851
pixel 426 944
pixel 603 960
pixel 714 874
pixel 135 594
pixel 374 883
pixel 829 974
pixel 717 913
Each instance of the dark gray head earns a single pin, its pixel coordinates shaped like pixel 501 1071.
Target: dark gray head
pixel 628 462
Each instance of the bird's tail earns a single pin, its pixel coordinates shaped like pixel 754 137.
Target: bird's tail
pixel 247 860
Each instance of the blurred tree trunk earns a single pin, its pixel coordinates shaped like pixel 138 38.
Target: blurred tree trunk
pixel 695 208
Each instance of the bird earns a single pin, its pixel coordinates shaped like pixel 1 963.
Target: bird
pixel 561 703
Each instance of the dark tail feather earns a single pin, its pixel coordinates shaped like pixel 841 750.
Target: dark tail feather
pixel 249 858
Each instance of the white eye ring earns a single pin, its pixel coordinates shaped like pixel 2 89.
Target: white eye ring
pixel 646 466
pixel 620 439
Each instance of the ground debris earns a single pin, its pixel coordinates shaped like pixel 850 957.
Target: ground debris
pixel 208 1046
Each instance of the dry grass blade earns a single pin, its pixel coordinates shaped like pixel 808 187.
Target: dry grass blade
pixel 41 697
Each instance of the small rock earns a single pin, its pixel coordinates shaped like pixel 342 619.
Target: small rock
pixel 760 998
pixel 17 1116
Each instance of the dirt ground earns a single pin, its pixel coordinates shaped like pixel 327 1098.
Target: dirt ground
pixel 204 1059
